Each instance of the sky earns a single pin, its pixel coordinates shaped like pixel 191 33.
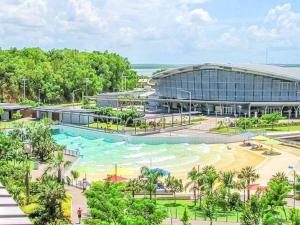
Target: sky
pixel 159 31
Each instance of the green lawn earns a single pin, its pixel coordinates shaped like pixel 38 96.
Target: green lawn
pixel 110 126
pixel 13 124
pixel 232 130
pixel 176 211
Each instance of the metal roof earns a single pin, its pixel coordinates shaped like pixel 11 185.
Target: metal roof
pixel 279 72
pixel 63 109
pixel 13 106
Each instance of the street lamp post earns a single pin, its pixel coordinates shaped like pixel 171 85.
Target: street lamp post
pixel 24 88
pixel 190 100
pixel 291 167
pixel 245 120
pixel 86 85
pixel 73 96
pixel 240 108
pixel 40 95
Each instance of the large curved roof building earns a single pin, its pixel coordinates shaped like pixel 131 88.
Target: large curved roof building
pixel 230 89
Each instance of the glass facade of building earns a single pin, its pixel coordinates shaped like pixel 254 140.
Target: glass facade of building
pixel 223 85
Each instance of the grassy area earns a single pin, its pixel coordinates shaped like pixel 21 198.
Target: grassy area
pixel 232 130
pixel 176 211
pixel 110 126
pixel 13 124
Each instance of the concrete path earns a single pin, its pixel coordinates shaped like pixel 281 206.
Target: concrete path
pixel 78 200
pixel 274 164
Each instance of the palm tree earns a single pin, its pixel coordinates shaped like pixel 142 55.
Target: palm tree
pixel 174 185
pixel 151 179
pixel 248 175
pixel 210 176
pixel 135 186
pixel 227 180
pixel 280 176
pixel 51 195
pixel 75 175
pixel 193 175
pixel 58 164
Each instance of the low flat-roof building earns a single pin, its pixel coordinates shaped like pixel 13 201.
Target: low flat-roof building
pixel 69 115
pixel 12 108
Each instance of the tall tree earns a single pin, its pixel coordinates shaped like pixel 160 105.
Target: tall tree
pixel 248 176
pixel 174 185
pixel 58 164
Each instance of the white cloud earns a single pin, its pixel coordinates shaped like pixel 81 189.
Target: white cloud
pixel 196 17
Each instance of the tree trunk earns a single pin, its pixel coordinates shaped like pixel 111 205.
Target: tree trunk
pixel 284 213
pixel 150 194
pixel 244 195
pixel 174 195
pixel 195 200
pixel 27 187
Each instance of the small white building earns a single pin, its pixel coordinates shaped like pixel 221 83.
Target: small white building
pixel 65 114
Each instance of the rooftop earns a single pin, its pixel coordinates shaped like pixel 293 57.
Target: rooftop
pixel 288 73
pixel 12 106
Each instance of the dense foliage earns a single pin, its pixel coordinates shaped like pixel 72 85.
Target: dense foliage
pixel 43 198
pixel 112 204
pixel 126 116
pixel 55 74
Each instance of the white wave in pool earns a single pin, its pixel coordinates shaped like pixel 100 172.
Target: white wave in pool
pixel 99 165
pixel 119 143
pixel 157 160
pixel 125 164
pixel 185 144
pixel 139 155
pixel 135 148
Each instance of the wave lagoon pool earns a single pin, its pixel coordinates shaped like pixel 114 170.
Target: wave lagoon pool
pixel 100 154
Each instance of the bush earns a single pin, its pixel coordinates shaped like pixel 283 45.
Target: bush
pixel 66 207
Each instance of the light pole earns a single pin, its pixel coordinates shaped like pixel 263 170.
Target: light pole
pixel 86 85
pixel 245 120
pixel 24 88
pixel 73 95
pixel 190 98
pixel 40 95
pixel 240 109
pixel 292 168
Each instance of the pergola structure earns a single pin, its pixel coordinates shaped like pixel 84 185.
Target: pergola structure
pixel 159 120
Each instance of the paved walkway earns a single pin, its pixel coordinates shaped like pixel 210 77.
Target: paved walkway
pixel 274 164
pixel 78 200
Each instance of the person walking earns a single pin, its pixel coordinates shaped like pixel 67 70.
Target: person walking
pixel 79 214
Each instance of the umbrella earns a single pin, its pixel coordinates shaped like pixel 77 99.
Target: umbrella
pixel 248 135
pixel 272 142
pixel 115 179
pixel 260 138
pixel 160 170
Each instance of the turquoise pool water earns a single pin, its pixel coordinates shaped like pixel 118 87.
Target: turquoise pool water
pixel 100 154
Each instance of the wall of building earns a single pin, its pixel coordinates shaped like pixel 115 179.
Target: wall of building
pixel 222 85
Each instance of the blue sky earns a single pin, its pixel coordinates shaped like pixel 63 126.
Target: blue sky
pixel 159 31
